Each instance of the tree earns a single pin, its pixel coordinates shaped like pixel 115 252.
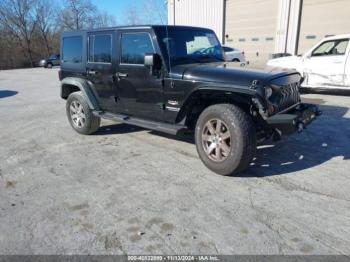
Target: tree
pixel 78 14
pixel 46 15
pixel 82 14
pixel 30 29
pixel 154 12
pixel 18 18
pixel 150 12
pixel 103 19
pixel 132 17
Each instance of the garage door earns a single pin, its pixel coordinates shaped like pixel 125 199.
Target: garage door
pixel 250 26
pixel 321 18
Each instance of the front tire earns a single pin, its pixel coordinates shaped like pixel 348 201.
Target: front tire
pixel 80 116
pixel 225 139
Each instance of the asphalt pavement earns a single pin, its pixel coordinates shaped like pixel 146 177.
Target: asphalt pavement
pixel 127 190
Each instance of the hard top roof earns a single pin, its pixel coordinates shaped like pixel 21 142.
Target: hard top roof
pixel 136 27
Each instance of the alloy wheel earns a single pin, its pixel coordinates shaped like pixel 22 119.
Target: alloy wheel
pixel 77 114
pixel 216 140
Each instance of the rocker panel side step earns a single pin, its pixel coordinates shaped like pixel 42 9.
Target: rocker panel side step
pixel 172 129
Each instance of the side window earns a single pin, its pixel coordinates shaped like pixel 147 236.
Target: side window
pixel 134 46
pixel 323 49
pixel 72 49
pixel 334 47
pixel 100 48
pixel 340 47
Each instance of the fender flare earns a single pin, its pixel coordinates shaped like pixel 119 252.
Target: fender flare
pixel 84 86
pixel 239 91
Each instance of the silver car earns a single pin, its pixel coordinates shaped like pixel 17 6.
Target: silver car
pixel 53 60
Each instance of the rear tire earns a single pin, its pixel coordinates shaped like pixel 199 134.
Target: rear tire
pixel 225 139
pixel 49 65
pixel 80 115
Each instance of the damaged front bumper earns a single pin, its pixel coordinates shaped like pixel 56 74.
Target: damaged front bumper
pixel 293 120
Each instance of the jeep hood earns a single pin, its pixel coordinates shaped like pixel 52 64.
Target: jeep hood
pixel 227 73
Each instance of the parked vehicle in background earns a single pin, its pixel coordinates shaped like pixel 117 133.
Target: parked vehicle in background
pixel 324 66
pixel 233 54
pixel 158 77
pixel 53 60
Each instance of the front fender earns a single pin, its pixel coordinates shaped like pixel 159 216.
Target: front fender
pixel 84 86
pixel 235 94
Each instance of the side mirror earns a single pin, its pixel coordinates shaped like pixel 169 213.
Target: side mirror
pixel 153 60
pixel 307 55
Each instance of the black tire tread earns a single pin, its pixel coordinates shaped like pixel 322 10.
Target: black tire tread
pixel 93 122
pixel 245 123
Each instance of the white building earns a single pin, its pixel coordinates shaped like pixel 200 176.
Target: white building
pixel 263 27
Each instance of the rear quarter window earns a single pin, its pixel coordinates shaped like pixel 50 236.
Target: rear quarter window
pixel 72 49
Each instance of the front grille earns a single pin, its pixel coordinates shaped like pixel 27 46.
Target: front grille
pixel 286 97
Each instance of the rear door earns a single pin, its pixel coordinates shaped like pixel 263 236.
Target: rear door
pixel 99 67
pixel 325 66
pixel 139 91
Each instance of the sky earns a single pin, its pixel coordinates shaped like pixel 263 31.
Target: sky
pixel 119 8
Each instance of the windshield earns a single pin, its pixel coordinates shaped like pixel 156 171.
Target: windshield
pixel 190 45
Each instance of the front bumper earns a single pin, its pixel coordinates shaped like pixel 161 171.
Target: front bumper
pixel 294 120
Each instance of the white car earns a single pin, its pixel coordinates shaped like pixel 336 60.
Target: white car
pixel 325 66
pixel 234 55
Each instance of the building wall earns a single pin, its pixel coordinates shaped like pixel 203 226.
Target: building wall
pixel 263 27
pixel 288 20
pixel 250 26
pixel 321 18
pixel 202 13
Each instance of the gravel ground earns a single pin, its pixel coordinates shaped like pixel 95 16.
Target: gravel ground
pixel 126 190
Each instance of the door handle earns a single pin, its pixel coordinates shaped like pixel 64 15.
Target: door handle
pixel 122 74
pixel 92 72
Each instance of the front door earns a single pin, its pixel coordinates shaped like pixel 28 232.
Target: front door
pixel 325 66
pixel 139 91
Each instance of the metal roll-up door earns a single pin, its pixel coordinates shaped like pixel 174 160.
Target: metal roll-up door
pixel 321 18
pixel 251 27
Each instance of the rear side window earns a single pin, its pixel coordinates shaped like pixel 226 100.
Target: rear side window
pixel 100 48
pixel 134 47
pixel 72 49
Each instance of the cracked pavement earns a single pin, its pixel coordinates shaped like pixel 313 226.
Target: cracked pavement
pixel 126 190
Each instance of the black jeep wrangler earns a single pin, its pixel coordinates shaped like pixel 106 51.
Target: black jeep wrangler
pixel 174 78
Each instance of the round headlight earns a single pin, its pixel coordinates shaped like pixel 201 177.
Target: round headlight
pixel 268 92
